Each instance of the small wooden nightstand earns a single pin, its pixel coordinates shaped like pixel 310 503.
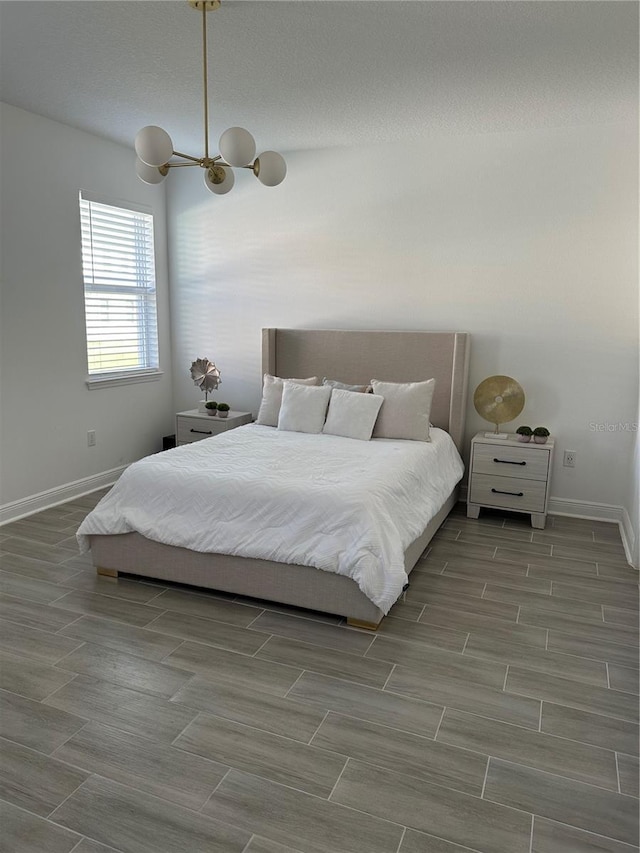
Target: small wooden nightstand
pixel 194 426
pixel 509 474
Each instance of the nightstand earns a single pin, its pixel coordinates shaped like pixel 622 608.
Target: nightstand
pixel 510 474
pixel 194 426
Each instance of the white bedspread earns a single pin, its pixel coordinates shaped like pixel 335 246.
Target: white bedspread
pixel 341 505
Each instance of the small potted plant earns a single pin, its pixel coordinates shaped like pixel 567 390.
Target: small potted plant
pixel 223 410
pixel 524 433
pixel 540 435
pixel 211 407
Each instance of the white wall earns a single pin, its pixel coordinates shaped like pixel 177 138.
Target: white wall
pixel 526 240
pixel 633 501
pixel 45 406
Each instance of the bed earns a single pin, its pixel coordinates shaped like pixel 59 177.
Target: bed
pixel 355 357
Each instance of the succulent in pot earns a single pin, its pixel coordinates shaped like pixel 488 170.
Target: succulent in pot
pixel 524 433
pixel 211 407
pixel 540 435
pixel 223 410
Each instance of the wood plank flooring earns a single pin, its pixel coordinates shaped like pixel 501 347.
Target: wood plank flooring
pixel 495 710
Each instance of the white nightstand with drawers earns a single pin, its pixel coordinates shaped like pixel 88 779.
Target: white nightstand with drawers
pixel 194 425
pixel 510 474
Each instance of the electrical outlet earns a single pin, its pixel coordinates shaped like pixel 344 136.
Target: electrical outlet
pixel 91 438
pixel 569 460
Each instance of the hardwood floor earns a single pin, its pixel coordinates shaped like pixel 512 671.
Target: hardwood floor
pixel 495 710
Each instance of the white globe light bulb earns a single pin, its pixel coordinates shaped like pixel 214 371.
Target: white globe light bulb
pixel 237 146
pixel 224 186
pixel 153 145
pixel 149 174
pixel 270 168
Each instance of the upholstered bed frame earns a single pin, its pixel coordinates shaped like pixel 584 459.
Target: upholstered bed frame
pixel 355 357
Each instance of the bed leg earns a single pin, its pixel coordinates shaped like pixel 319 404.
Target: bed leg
pixel 359 623
pixel 107 573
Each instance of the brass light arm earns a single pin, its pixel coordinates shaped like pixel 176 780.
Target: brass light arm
pixel 178 165
pixel 187 156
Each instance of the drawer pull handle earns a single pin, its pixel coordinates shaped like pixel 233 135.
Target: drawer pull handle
pixel 202 431
pixel 508 461
pixel 515 494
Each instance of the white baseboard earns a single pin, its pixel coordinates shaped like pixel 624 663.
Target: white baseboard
pixel 61 494
pixel 585 509
pixel 629 539
pixel 600 512
pixel 596 512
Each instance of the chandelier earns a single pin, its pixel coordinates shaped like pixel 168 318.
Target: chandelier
pixel 237 146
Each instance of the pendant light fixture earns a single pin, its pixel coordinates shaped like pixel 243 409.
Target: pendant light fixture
pixel 237 146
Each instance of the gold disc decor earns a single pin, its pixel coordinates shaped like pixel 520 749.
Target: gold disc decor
pixel 498 399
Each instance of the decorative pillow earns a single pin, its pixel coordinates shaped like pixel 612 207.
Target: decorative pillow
pixel 272 397
pixel 405 411
pixel 334 383
pixel 352 414
pixel 304 407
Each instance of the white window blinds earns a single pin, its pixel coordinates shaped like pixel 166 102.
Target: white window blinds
pixel 119 289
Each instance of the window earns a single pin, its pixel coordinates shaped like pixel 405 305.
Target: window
pixel 119 292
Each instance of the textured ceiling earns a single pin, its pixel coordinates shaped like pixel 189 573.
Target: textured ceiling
pixel 304 74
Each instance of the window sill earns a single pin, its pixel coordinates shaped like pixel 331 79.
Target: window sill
pixel 127 379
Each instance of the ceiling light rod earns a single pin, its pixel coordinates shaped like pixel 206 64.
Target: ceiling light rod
pixel 204 72
pixel 237 146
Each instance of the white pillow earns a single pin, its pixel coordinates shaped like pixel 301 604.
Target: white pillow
pixel 304 407
pixel 352 414
pixel 272 397
pixel 406 409
pixel 335 383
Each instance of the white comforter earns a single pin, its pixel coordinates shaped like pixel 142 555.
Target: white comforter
pixel 341 505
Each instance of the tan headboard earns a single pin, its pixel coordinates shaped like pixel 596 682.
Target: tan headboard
pixel 357 357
